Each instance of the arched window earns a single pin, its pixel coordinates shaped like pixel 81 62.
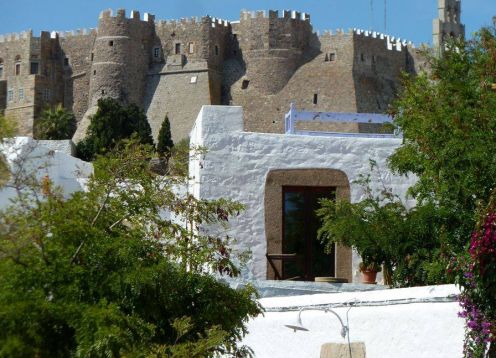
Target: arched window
pixel 17 69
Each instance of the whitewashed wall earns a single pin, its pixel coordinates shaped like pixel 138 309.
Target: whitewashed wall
pixel 237 164
pixel 426 328
pixel 42 158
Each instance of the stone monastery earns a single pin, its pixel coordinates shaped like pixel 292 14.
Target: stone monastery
pixel 262 62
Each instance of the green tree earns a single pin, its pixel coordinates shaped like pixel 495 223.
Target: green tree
pixel 7 130
pixel 386 233
pixel 448 120
pixel 111 124
pixel 56 123
pixel 165 143
pixel 102 273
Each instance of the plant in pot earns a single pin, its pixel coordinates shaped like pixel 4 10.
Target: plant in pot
pixel 369 272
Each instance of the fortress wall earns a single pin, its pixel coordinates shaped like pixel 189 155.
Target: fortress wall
pixel 174 95
pixel 78 50
pixel 331 81
pixel 14 46
pixel 184 32
pixel 377 67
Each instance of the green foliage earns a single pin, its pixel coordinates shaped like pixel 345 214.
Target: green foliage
pixel 385 232
pixel 111 124
pixel 101 273
pixel 55 124
pixel 7 130
pixel 448 120
pixel 165 143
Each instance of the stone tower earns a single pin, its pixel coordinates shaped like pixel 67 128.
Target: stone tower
pixel 448 23
pixel 120 58
pixel 273 47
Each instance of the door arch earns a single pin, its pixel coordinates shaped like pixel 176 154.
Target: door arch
pixel 275 183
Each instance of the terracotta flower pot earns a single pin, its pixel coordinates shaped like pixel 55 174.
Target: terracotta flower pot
pixel 369 277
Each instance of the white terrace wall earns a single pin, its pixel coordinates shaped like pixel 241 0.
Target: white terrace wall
pixel 420 322
pixel 237 163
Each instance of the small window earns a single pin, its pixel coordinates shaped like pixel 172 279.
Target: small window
pixel 21 93
pixel 66 61
pixel 92 56
pixel 216 50
pixel 18 69
pixel 46 94
pixel 191 48
pixel 178 48
pixel 326 58
pixel 374 59
pixel 156 52
pixel 94 72
pixel 315 98
pixel 332 57
pixel 10 95
pixel 245 84
pixel 111 43
pixel 103 92
pixel 1 71
pixel 194 79
pixel 34 68
pixel 362 57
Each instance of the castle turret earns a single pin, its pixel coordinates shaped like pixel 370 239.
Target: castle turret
pixel 448 24
pixel 273 46
pixel 121 56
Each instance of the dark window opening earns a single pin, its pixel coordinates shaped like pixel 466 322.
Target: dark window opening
pixel 103 92
pixel 374 60
pixel 66 61
pixel 156 52
pixel 111 43
pixel 315 98
pixel 362 57
pixel 94 72
pixel 326 58
pixel 332 57
pixel 1 71
pixel 306 255
pixel 245 84
pixel 178 48
pixel 92 56
pixel 216 50
pixel 17 69
pixel 34 68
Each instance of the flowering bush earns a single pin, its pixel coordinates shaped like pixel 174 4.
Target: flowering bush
pixel 476 275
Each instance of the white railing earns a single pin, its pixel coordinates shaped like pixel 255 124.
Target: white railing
pixel 294 116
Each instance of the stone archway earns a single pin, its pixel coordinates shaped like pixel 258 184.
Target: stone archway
pixel 276 180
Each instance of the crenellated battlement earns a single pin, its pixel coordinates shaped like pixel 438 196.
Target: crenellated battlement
pixel 121 14
pixel 73 33
pixel 390 42
pixel 274 14
pixel 16 36
pixel 214 22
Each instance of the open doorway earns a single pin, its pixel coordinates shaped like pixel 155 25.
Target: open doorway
pixel 305 256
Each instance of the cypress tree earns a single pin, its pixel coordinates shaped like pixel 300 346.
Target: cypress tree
pixel 165 142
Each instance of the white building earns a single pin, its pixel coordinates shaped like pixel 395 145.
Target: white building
pixel 278 177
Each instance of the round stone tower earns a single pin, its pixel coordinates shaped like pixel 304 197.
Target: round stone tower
pixel 273 47
pixel 121 56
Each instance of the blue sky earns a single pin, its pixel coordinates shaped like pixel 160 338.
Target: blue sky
pixel 411 20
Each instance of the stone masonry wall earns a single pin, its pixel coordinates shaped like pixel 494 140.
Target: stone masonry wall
pixel 78 51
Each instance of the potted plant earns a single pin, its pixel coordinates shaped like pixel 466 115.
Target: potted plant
pixel 369 272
